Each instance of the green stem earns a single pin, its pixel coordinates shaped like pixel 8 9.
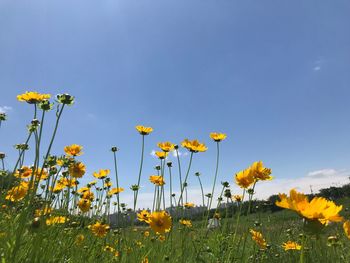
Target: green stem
pixel 140 171
pixel 182 186
pixel 200 183
pixel 171 190
pixel 116 178
pixel 179 166
pixel 216 173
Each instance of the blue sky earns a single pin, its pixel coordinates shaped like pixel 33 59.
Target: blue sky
pixel 273 75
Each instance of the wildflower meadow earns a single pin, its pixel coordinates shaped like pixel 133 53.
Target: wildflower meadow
pixel 47 215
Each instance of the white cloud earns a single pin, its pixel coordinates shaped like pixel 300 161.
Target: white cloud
pixel 323 173
pixel 318 64
pixel 312 181
pixel 5 109
pixel 173 154
pixel 183 154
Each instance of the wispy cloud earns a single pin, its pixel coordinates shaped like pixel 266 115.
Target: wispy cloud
pixel 5 109
pixel 173 154
pixel 181 154
pixel 318 64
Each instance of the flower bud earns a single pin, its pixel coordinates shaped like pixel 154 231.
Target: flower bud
pixel 114 149
pixel 65 99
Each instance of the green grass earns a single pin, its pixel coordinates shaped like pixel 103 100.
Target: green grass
pixel 41 243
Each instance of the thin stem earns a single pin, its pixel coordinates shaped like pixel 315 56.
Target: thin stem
pixel 171 190
pixel 182 186
pixel 117 181
pixel 216 173
pixel 140 171
pixel 179 166
pixel 200 183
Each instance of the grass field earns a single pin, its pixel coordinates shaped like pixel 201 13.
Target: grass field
pixel 46 217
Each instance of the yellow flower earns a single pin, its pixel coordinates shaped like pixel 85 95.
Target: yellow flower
pixel 161 155
pixel 237 198
pixel 60 162
pixel 53 220
pixel 217 215
pixel 18 192
pixel 290 245
pixel 58 187
pixel 194 146
pixel 218 137
pixel 145 260
pixel 83 189
pixel 33 97
pixel 92 183
pixel 245 178
pixel 258 238
pixel 108 184
pixel 84 205
pixel 79 239
pixel 77 169
pixel 161 238
pixel 115 191
pixel 160 221
pixel 146 233
pixel 166 146
pixel 143 216
pixel 73 150
pixel 67 182
pixel 157 180
pixel 43 212
pixel 188 205
pixel 144 130
pixel 101 174
pixel 186 223
pixel 260 172
pixel 108 248
pixel 26 172
pixel 346 227
pixel 319 208
pixel 99 229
